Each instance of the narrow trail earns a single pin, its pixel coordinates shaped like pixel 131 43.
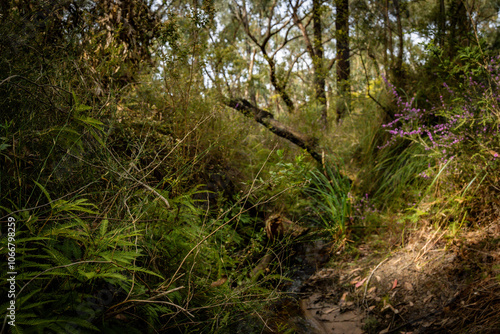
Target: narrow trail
pixel 429 285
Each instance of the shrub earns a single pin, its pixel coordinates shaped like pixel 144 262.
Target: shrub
pixel 460 134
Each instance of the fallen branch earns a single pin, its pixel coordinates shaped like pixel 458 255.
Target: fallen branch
pixel 281 130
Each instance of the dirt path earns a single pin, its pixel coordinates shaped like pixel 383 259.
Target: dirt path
pixel 432 284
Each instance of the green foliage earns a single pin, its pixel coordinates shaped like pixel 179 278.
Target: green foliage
pixel 395 177
pixel 288 178
pixel 63 266
pixel 112 141
pixel 332 202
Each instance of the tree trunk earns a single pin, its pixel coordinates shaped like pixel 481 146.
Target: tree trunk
pixel 261 42
pixel 343 64
pixel 315 50
pixel 250 90
pixel 308 143
pixel 441 23
pixel 398 63
pixel 319 69
pixel 280 88
pixel 459 27
pixel 389 50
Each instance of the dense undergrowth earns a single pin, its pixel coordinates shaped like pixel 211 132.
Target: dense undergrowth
pixel 124 222
pixel 125 211
pixel 120 226
pixel 135 211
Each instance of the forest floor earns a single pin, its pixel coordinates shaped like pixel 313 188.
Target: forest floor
pixel 429 282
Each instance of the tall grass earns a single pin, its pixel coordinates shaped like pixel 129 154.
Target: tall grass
pixel 332 204
pixel 394 176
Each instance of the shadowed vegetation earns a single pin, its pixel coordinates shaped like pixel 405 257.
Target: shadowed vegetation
pixel 184 167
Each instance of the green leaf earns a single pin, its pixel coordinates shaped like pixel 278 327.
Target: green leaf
pixel 42 188
pixel 142 270
pixel 104 226
pixel 123 257
pixel 4 146
pixel 97 137
pixel 80 205
pixel 90 121
pixel 88 275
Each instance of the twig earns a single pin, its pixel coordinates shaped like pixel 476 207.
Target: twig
pixel 150 189
pixel 370 277
pixel 263 321
pixel 149 300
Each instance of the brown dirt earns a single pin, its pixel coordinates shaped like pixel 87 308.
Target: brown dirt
pixel 434 283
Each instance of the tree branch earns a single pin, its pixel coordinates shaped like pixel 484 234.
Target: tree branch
pixel 292 64
pixel 281 130
pixel 242 16
pixel 299 24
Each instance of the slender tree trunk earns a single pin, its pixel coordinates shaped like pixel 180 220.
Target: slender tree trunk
pixel 441 23
pixel 250 91
pixel 386 38
pixel 280 88
pixel 279 85
pixel 389 57
pixel 398 64
pixel 343 64
pixel 319 69
pixel 314 48
pixel 389 50
pixel 459 27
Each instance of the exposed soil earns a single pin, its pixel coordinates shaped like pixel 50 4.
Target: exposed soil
pixel 432 284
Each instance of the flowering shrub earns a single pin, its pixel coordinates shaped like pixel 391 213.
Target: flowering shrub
pixel 464 125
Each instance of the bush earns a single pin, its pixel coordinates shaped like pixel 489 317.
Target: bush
pixel 460 135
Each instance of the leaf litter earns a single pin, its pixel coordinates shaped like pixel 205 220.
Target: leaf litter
pixel 432 284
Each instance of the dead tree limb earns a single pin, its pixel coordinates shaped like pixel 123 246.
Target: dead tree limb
pixel 267 119
pixel 310 144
